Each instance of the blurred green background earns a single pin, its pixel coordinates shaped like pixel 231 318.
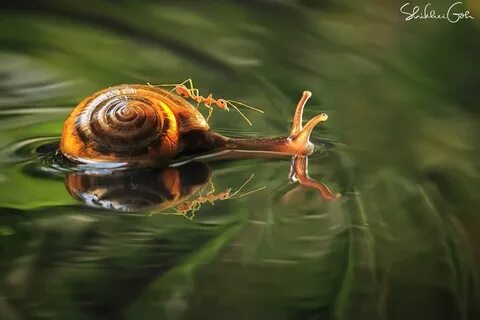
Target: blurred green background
pixel 403 105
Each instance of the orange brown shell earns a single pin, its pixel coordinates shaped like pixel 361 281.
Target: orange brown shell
pixel 129 124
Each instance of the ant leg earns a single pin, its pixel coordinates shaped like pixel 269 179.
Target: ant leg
pixel 182 84
pixel 195 92
pixel 299 172
pixel 210 111
pixel 196 207
pixel 189 84
pixel 163 85
pixel 174 85
pixel 212 190
pixel 212 187
pixel 192 88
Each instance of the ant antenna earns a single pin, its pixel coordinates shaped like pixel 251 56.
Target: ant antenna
pixel 234 195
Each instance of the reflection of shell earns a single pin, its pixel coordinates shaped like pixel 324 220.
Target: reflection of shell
pixel 131 190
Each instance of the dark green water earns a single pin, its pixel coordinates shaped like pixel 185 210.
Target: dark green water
pixel 402 98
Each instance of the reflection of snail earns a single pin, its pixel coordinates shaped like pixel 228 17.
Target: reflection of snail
pixel 182 189
pixel 141 189
pixel 141 124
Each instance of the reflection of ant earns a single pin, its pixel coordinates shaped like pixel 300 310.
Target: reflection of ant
pixel 193 93
pixel 189 207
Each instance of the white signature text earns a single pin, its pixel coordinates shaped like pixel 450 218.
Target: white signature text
pixel 453 14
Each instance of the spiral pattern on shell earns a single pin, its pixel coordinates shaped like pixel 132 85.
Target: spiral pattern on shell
pixel 127 124
pixel 123 123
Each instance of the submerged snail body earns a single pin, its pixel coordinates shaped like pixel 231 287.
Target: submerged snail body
pixel 143 124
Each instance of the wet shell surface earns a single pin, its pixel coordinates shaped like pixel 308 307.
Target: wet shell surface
pixel 129 123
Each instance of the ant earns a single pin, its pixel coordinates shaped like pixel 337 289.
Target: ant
pixel 193 93
pixel 195 205
pixel 189 207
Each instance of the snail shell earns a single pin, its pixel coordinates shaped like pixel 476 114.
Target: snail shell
pixel 130 124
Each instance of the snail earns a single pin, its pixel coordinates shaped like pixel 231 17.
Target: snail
pixel 132 125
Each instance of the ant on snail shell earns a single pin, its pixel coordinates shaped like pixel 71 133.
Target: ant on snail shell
pixel 194 93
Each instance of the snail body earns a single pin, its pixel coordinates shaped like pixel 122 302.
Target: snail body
pixel 142 124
